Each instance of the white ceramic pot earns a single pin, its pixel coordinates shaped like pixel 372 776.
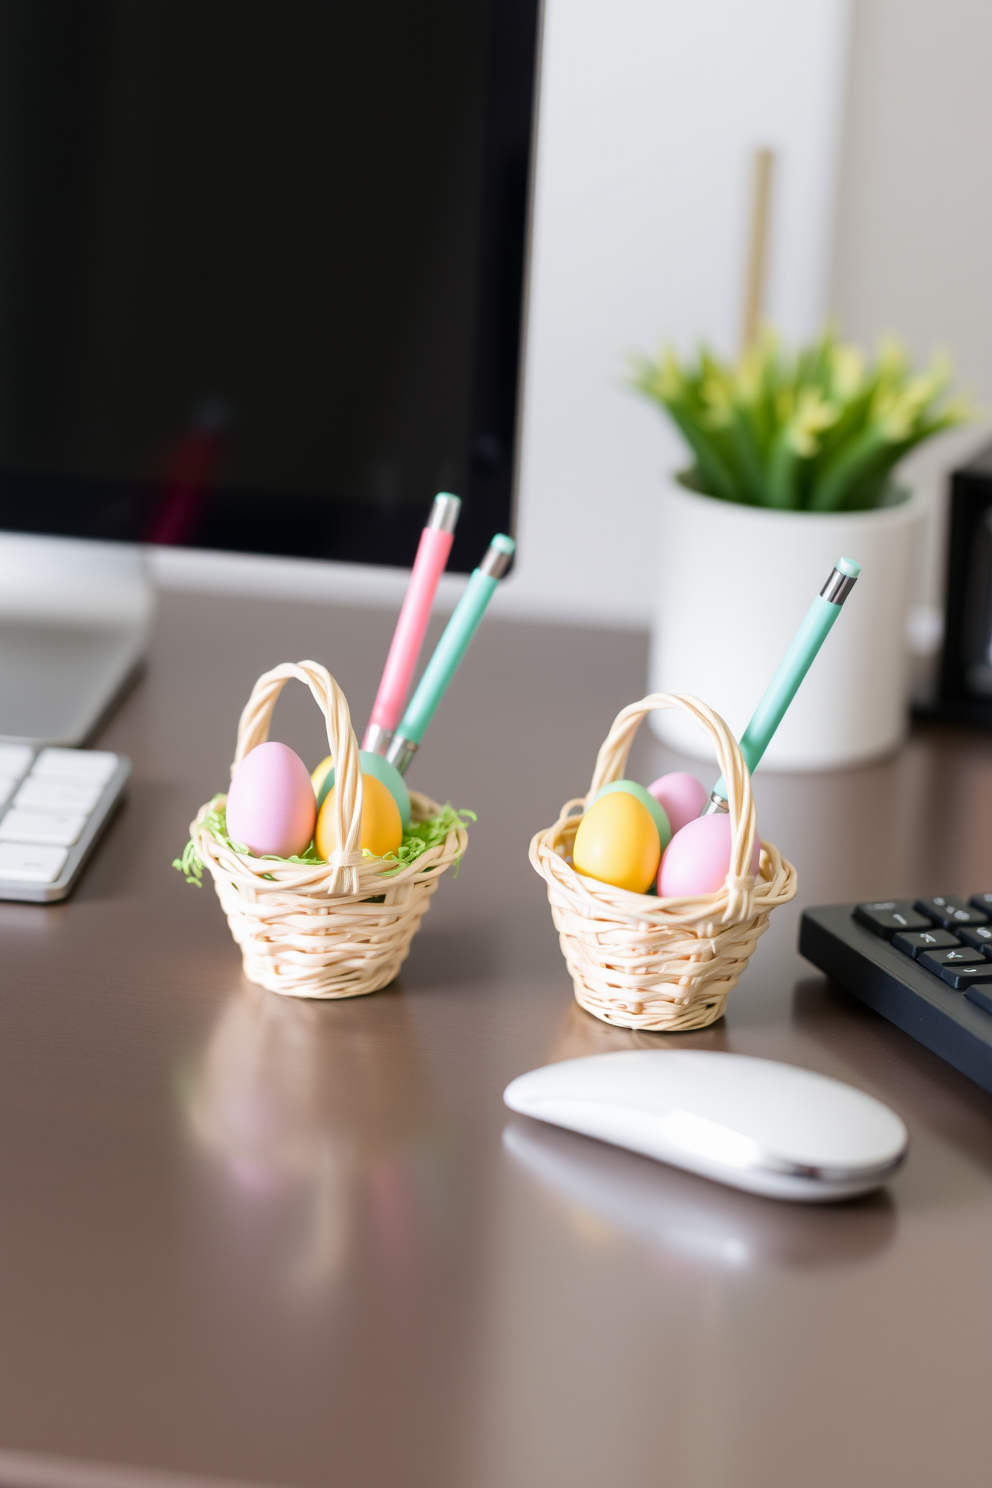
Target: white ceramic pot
pixel 734 584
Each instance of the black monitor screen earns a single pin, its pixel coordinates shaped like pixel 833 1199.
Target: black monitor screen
pixel 260 269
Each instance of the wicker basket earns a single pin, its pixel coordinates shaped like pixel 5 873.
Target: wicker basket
pixel 335 929
pixel 661 964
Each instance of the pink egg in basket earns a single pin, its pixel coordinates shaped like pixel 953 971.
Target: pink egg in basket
pixel 681 796
pixel 697 859
pixel 271 806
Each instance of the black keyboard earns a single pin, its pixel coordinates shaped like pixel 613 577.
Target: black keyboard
pixel 925 964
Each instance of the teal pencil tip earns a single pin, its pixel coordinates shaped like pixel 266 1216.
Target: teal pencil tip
pixel 848 566
pixel 504 544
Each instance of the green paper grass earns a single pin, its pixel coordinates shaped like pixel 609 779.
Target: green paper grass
pixel 819 430
pixel 416 841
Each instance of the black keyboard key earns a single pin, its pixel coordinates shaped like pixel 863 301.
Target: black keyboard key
pixel 979 936
pixel 980 993
pixel 950 911
pixel 935 961
pixel 962 977
pixel 888 916
pixel 912 942
pixel 982 901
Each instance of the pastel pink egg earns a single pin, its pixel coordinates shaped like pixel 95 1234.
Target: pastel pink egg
pixel 697 859
pixel 271 806
pixel 681 796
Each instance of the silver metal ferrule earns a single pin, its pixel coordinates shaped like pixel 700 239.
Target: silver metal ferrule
pixel 444 512
pixel 401 752
pixel 838 586
pixel 376 739
pixel 714 804
pixel 495 563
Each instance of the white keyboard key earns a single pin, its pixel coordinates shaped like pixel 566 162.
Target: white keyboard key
pixel 96 765
pixel 14 759
pixel 58 794
pixel 60 829
pixel 31 864
pixel 8 785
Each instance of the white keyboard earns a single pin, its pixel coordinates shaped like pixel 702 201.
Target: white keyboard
pixel 53 807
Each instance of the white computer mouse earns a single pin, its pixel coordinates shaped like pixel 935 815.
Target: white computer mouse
pixel 753 1123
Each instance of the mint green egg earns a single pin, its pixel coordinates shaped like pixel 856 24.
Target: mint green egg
pixel 374 764
pixel 645 797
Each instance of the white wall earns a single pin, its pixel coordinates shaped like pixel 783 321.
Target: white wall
pixel 650 113
pixel 914 231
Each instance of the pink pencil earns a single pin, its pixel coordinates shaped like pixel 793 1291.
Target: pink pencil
pixel 411 627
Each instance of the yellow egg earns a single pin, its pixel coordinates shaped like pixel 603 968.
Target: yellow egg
pixel 319 775
pixel 382 830
pixel 618 843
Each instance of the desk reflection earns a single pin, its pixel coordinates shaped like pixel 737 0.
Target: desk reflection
pixel 581 1035
pixel 320 1116
pixel 689 1218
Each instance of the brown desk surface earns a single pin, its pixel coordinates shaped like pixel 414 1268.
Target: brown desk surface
pixel 289 1243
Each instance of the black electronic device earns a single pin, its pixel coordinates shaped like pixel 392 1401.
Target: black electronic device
pixel 261 270
pixel 924 964
pixel 964 693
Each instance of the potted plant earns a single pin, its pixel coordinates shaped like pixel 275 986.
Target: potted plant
pixel 793 466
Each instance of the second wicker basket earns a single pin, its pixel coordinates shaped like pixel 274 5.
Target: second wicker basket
pixel 666 965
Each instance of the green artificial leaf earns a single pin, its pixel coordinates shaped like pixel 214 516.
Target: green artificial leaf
pixel 816 430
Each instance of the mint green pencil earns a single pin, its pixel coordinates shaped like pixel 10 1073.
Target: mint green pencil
pixel 792 669
pixel 450 649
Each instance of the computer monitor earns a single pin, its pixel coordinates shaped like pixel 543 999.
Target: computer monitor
pixel 261 270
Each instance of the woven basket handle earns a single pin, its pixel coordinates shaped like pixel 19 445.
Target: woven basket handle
pixel 253 728
pixel 612 761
